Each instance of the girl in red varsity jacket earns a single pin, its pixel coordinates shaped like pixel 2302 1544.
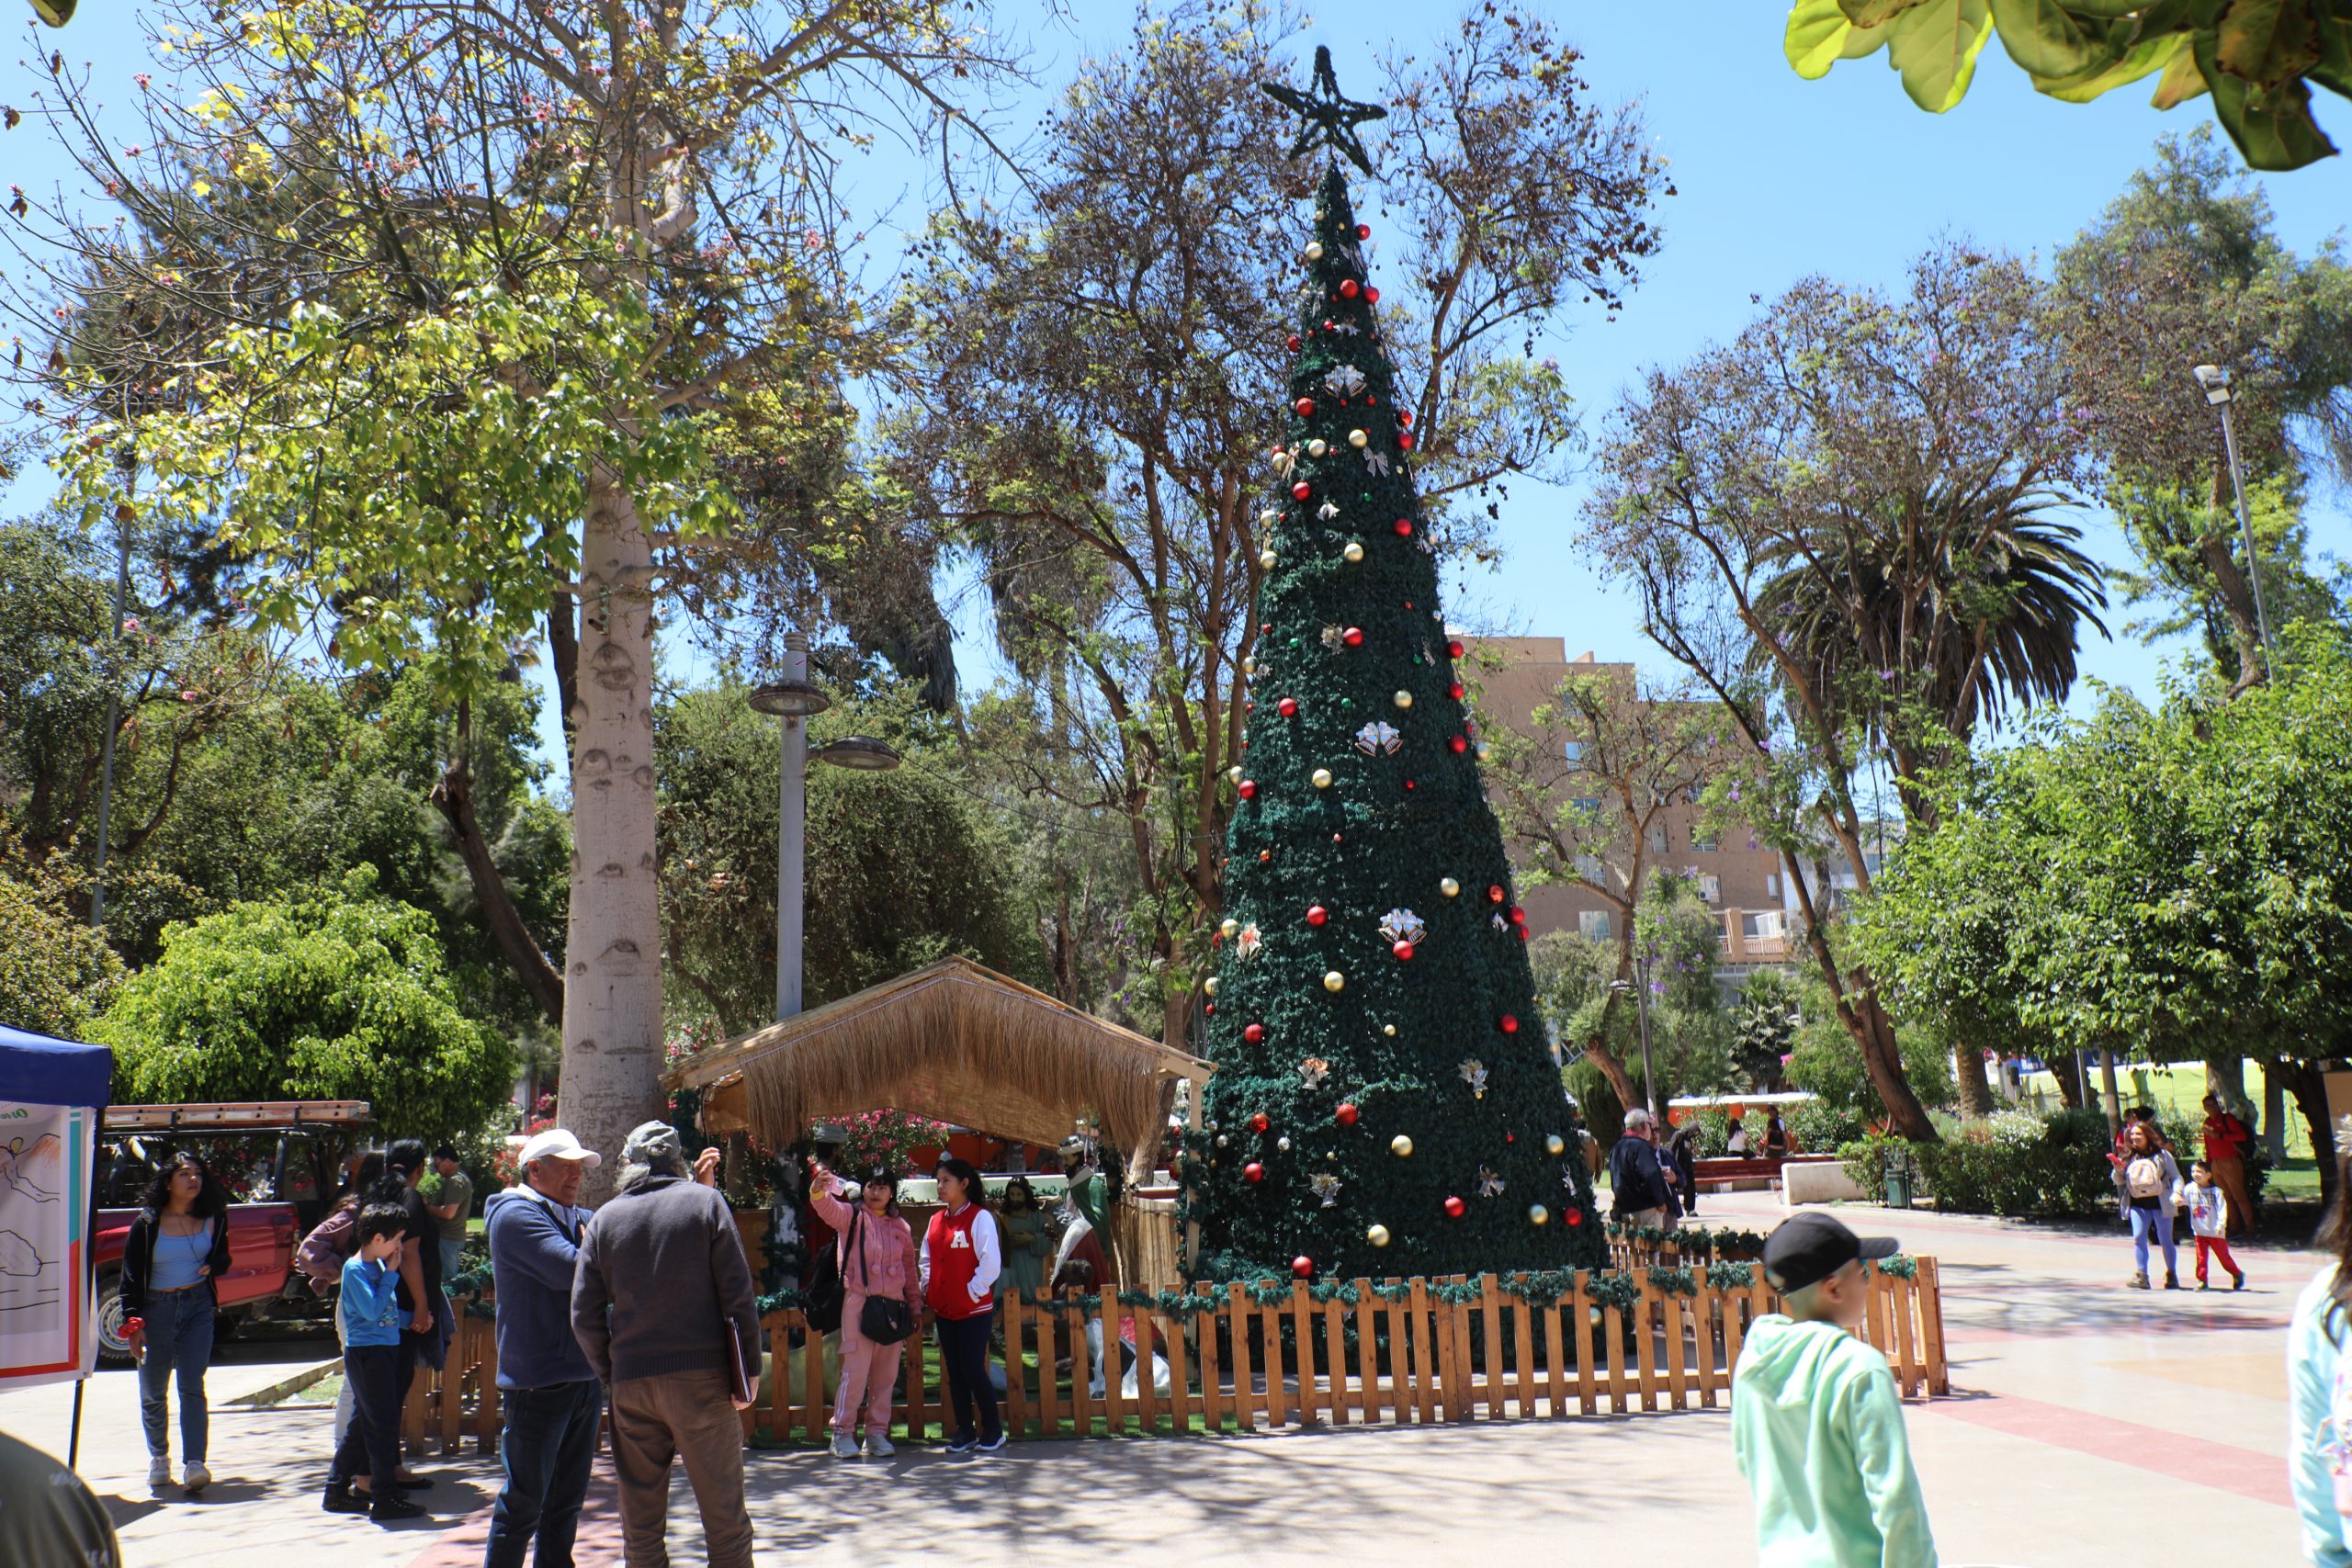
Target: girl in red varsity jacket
pixel 962 1256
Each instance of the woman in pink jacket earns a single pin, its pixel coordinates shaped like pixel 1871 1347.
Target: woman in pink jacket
pixel 878 1259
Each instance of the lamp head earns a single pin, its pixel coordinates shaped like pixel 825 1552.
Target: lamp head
pixel 789 699
pixel 2216 382
pixel 858 754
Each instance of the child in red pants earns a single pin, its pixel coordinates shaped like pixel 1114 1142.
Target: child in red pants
pixel 2209 1219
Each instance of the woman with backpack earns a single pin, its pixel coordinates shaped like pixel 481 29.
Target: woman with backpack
pixel 176 1248
pixel 2148 1177
pixel 881 1301
pixel 962 1256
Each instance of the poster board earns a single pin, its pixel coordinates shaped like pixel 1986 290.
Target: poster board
pixel 45 1309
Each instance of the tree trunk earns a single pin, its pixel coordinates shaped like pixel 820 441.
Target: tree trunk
pixel 2067 1068
pixel 2109 1092
pixel 453 797
pixel 1968 1071
pixel 1620 1082
pixel 612 995
pixel 1858 1008
pixel 2308 1084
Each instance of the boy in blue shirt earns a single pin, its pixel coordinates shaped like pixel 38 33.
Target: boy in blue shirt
pixel 363 1478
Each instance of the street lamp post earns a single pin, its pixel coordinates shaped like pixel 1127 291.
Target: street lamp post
pixel 2215 380
pixel 794 700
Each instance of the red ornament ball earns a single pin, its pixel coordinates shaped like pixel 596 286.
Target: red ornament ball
pixel 1454 690
pixel 1209 1009
pixel 1345 1114
pixel 1404 527
pixel 1254 1171
pixel 1287 708
pixel 1293 344
pixel 1455 744
pixel 1363 231
pixel 1518 915
pixel 1247 789
pixel 1353 636
pixel 1301 490
pixel 1405 417
pixel 1403 950
pixel 1317 914
pixel 1372 295
pixel 1253 1033
pixel 1265 856
pixel 1576 1217
pixel 1509 1024
pixel 1457 1207
pixel 1350 288
pixel 1494 893
pixel 1405 440
pixel 1306 407
pixel 1303 1267
pixel 1259 1122
pixel 1409 784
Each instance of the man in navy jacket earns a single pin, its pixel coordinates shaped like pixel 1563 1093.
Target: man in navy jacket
pixel 552 1399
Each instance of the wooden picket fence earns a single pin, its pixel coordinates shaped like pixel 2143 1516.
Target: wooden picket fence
pixel 1439 1351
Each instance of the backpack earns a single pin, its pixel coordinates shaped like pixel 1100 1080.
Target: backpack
pixel 2144 1177
pixel 320 1257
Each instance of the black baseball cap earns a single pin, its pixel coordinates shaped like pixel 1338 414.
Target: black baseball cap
pixel 1807 1249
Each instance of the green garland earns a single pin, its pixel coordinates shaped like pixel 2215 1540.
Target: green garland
pixel 1731 1276
pixel 1463 1294
pixel 1085 1306
pixel 1673 1281
pixel 1608 1288
pixel 1397 1292
pixel 779 1301
pixel 1542 1288
pixel 1898 1266
pixel 1171 1304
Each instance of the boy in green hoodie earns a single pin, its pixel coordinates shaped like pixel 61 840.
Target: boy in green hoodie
pixel 1817 1425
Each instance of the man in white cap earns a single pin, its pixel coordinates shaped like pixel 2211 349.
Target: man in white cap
pixel 553 1402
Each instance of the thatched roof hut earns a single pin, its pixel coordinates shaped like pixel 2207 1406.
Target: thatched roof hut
pixel 953 1042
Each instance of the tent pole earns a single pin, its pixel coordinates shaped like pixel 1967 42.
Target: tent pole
pixel 73 1443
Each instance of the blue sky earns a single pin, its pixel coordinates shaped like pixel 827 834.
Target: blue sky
pixel 1777 178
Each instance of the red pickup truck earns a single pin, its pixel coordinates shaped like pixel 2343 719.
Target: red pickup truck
pixel 283 1163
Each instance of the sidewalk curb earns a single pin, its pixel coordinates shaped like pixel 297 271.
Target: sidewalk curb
pixel 287 1388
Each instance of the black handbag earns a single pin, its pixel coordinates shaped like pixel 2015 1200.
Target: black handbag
pixel 822 1298
pixel 886 1320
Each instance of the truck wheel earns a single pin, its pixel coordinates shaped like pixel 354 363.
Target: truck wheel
pixel 114 1350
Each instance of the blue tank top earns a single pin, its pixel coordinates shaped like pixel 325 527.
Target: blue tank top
pixel 179 1258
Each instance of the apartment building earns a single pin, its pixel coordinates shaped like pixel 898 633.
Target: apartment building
pixel 1742 881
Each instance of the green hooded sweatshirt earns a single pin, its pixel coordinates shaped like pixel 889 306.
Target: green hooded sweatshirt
pixel 1817 1429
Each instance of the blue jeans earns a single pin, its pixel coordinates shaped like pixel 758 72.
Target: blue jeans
pixel 449 1251
pixel 548 1446
pixel 2159 1220
pixel 179 1340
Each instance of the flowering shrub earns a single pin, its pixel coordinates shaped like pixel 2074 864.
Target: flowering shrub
pixel 888 1138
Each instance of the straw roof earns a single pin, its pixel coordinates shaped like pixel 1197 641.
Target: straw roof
pixel 953 1042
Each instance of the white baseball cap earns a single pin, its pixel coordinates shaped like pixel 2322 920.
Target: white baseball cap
pixel 557 1144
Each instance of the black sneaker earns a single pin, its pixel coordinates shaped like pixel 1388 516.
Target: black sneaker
pixel 414 1482
pixel 387 1509
pixel 343 1500
pixel 991 1445
pixel 961 1444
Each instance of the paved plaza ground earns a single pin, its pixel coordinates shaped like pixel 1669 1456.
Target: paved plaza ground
pixel 2088 1423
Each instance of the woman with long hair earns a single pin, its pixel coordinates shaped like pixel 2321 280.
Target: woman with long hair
pixel 2319 1392
pixel 1028 1237
pixel 962 1256
pixel 2149 1177
pixel 178 1247
pixel 877 1261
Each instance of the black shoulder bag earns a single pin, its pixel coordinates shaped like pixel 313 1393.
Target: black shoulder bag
pixel 886 1320
pixel 821 1298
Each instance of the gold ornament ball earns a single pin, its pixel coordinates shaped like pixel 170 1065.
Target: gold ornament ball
pixel 1230 929
pixel 1358 439
pixel 1555 1144
pixel 1314 249
pixel 1333 980
pixel 1270 518
pixel 1403 699
pixel 1209 986
pixel 1448 887
pixel 1316 448
pixel 1486 752
pixel 1400 1146
pixel 1537 1214
pixel 1250 665
pixel 1377 1236
pixel 1354 552
pixel 1322 778
pixel 1234 773
pixel 1266 559
pixel 1389 1030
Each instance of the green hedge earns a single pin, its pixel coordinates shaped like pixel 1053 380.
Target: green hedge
pixel 2010 1164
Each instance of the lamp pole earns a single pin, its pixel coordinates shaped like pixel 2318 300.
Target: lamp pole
pixel 2215 380
pixel 792 699
pixel 1641 990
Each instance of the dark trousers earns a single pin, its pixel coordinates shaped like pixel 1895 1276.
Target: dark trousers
pixel 371 1444
pixel 549 1445
pixel 964 1352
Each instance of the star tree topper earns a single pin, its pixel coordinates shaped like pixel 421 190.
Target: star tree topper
pixel 1331 120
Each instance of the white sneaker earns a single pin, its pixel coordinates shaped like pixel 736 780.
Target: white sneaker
pixel 196 1478
pixel 878 1447
pixel 159 1473
pixel 844 1446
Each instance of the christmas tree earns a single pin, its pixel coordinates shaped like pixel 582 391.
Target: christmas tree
pixel 1385 1102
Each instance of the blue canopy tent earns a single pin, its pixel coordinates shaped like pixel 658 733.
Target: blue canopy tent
pixel 35 1069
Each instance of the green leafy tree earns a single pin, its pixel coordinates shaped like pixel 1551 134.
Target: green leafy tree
pixel 1373 958
pixel 336 995
pixel 1764 1023
pixel 2257 58
pixel 56 971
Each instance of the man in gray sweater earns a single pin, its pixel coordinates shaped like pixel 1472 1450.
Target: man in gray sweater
pixel 663 1307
